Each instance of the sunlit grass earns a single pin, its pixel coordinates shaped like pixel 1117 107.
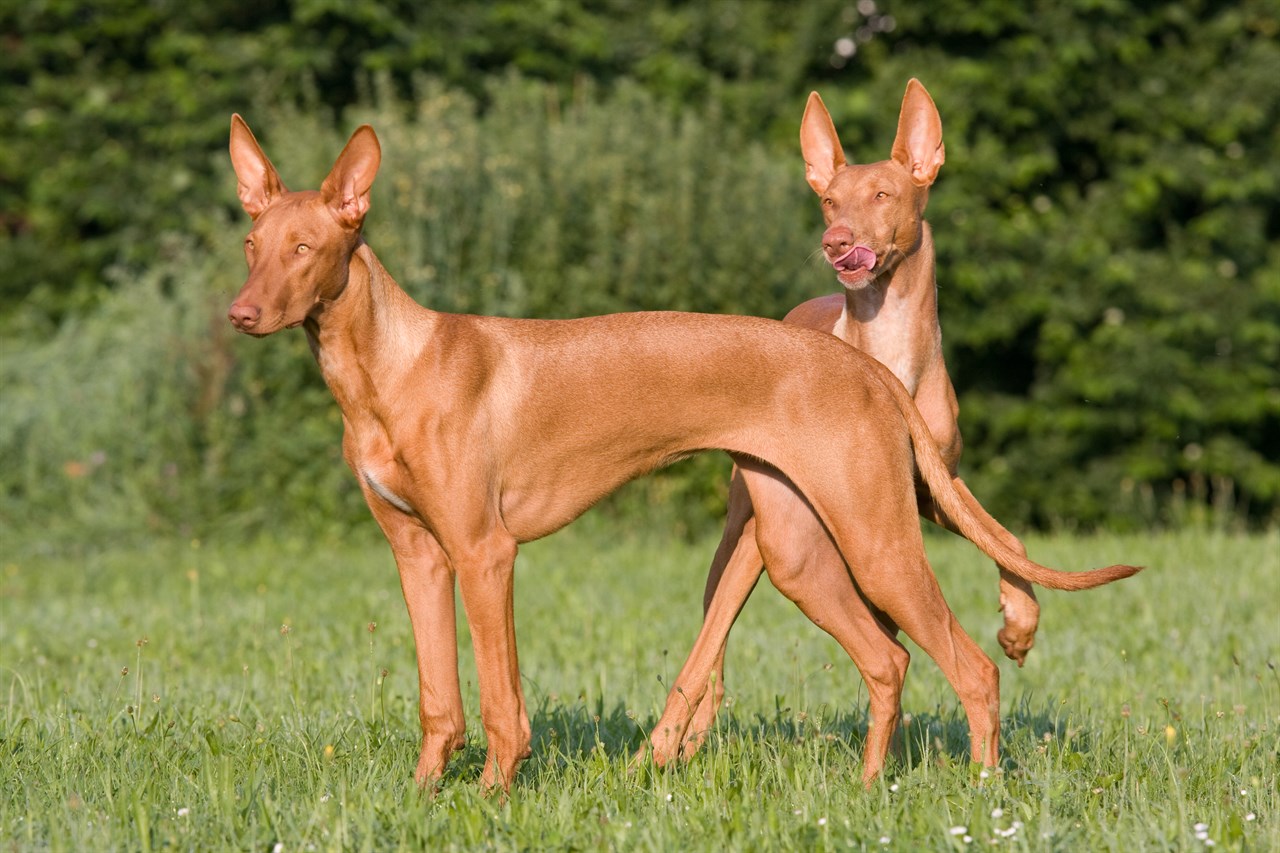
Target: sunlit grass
pixel 207 695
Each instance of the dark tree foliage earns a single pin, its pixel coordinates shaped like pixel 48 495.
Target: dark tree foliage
pixel 1107 221
pixel 1107 233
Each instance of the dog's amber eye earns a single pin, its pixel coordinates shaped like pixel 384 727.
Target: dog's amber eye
pixel 829 201
pixel 882 194
pixel 303 248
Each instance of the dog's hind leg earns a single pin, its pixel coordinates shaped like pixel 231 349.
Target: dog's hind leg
pixel 805 566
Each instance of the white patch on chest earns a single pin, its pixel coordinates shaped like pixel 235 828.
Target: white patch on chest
pixel 888 343
pixel 380 489
pixel 841 329
pixel 903 365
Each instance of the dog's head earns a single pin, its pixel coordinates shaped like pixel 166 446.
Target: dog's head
pixel 874 212
pixel 299 248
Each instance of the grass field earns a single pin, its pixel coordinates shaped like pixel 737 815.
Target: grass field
pixel 262 696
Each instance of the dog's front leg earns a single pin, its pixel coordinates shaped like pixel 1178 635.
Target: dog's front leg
pixel 485 567
pixel 695 697
pixel 427 580
pixel 698 689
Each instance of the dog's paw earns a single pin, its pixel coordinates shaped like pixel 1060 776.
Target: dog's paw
pixel 1016 642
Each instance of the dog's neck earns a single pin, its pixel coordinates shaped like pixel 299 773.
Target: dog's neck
pixel 368 335
pixel 895 318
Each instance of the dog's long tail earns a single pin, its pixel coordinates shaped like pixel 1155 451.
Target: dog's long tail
pixel 974 522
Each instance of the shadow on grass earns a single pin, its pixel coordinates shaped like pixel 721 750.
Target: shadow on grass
pixel 571 733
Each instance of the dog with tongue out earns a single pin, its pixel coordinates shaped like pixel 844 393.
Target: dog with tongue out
pixel 874 212
pixel 857 259
pixel 881 250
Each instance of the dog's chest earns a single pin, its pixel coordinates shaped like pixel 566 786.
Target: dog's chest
pixel 372 457
pixel 890 341
pixel 905 365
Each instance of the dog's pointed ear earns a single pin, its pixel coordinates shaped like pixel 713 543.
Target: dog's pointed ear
pixel 257 182
pixel 918 146
pixel 346 190
pixel 819 144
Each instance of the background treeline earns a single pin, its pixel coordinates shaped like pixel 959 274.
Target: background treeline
pixel 1107 222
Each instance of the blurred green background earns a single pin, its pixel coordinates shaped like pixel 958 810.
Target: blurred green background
pixel 1107 224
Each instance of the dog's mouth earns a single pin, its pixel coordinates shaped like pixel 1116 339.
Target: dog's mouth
pixel 855 266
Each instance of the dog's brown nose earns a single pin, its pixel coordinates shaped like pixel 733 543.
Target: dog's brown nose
pixel 244 317
pixel 837 240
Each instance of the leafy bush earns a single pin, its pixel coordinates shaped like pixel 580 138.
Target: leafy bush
pixel 1107 224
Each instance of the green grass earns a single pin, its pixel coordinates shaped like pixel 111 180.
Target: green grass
pixel 152 700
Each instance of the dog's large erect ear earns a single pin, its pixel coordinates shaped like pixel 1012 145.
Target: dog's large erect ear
pixel 918 146
pixel 258 183
pixel 346 189
pixel 819 145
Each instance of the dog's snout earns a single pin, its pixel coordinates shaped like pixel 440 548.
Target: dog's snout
pixel 837 240
pixel 244 317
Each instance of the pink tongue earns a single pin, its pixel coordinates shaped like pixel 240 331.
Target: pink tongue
pixel 859 257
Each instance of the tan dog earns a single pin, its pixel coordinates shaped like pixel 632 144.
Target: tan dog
pixel 469 435
pixel 882 252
